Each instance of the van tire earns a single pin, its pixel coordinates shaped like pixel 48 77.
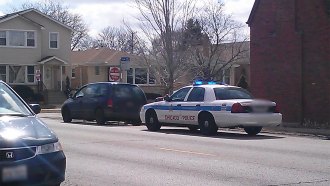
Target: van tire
pixel 66 115
pixel 99 117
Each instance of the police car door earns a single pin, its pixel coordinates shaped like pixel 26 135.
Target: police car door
pixel 174 106
pixel 192 106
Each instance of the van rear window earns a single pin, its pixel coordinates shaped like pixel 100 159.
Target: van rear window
pixel 128 91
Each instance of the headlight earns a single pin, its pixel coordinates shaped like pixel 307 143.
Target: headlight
pixel 49 148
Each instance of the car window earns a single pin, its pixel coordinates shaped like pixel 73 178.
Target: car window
pixel 180 94
pixel 81 92
pixel 10 104
pixel 231 93
pixel 197 94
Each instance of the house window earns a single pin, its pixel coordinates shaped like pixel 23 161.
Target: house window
pixel 16 38
pixel 16 74
pixel 152 78
pixel 63 69
pixel 53 40
pixel 97 70
pixel 30 74
pixel 30 39
pixel 3 39
pixel 141 76
pixel 3 73
pixel 130 76
pixel 73 73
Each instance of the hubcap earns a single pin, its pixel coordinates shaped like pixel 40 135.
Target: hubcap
pixel 151 120
pixel 206 124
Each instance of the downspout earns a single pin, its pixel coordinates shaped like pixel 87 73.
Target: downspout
pixel 301 34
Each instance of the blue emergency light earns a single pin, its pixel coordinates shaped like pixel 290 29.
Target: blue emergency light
pixel 201 82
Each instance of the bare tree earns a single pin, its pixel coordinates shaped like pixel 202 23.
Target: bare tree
pixel 58 11
pixel 162 22
pixel 222 44
pixel 116 38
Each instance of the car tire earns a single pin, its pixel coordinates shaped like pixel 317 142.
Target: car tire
pixel 252 131
pixel 99 117
pixel 207 125
pixel 193 128
pixel 152 122
pixel 66 115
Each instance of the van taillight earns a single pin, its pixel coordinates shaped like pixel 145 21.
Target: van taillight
pixel 237 108
pixel 277 108
pixel 110 103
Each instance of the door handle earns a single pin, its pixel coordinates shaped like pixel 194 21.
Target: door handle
pixel 179 105
pixel 198 105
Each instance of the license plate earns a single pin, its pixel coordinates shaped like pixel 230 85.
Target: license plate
pixel 17 173
pixel 260 109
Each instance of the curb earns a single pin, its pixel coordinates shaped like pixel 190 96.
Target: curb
pixel 50 111
pixel 294 130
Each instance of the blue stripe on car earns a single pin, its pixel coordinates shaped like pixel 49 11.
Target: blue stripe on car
pixel 189 108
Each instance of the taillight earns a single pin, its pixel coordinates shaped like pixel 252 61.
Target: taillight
pixel 237 108
pixel 110 103
pixel 277 108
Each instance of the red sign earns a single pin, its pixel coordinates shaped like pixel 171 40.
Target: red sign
pixel 114 74
pixel 37 75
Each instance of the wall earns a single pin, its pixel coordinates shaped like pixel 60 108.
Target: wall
pixel 290 57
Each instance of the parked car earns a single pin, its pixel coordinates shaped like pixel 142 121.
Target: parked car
pixel 30 153
pixel 208 106
pixel 105 101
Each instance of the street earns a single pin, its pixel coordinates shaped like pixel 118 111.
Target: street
pixel 118 154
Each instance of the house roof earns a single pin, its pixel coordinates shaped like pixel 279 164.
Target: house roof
pixel 49 58
pixel 253 12
pixel 21 13
pixel 100 57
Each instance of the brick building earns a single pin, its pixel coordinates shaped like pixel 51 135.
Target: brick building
pixel 290 57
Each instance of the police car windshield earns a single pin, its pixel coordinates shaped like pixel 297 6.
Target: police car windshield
pixel 231 93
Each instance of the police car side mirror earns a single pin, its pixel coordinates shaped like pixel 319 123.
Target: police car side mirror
pixel 167 98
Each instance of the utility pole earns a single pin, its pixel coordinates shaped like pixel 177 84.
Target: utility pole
pixel 132 43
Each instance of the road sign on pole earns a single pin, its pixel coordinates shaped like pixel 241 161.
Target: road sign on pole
pixel 114 74
pixel 124 63
pixel 37 75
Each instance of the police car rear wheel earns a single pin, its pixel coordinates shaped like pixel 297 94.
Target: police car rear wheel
pixel 207 125
pixel 152 121
pixel 252 131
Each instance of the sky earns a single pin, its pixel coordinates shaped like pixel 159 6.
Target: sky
pixel 99 14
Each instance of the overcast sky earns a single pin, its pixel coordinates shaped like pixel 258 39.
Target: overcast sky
pixel 101 13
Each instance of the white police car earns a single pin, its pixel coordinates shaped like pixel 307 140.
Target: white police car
pixel 208 106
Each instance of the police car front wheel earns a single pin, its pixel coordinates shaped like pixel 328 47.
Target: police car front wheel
pixel 152 121
pixel 207 125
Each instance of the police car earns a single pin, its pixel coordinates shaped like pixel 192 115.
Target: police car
pixel 208 106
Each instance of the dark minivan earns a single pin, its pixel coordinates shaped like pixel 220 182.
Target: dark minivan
pixel 105 101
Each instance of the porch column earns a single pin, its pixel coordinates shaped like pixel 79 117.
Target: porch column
pixel 80 78
pixel 61 68
pixel 43 73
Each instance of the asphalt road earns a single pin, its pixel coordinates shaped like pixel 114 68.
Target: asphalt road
pixel 126 155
